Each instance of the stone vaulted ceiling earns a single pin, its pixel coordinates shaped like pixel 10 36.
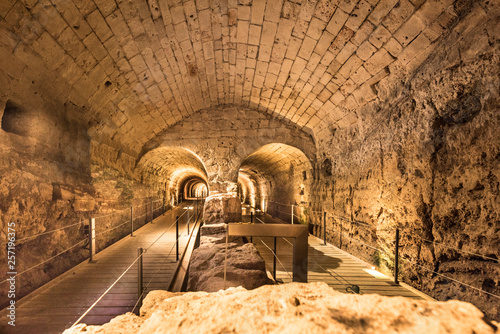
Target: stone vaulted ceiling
pixel 138 67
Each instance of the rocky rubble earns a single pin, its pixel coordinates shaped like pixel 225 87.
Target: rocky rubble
pixel 293 308
pixel 245 266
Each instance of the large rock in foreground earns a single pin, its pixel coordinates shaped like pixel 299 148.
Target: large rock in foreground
pixel 293 308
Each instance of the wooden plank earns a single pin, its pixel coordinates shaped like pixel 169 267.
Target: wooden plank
pixel 55 306
pixel 331 265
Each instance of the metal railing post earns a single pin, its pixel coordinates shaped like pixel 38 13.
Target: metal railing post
pixel 140 252
pixel 188 219
pixel 396 258
pixel 324 228
pixel 152 212
pixel 340 234
pixel 251 221
pixel 177 239
pixel 131 221
pixel 91 239
pixel 292 214
pixel 274 260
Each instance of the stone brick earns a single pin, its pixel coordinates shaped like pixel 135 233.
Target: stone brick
pixel 379 36
pixel 417 46
pixel 49 18
pixel 337 22
pixel 324 42
pixel 350 66
pixel 358 15
pixel 381 10
pixel 254 34
pixel 70 42
pixel 366 50
pixel 273 11
pixel 362 33
pixel 307 47
pixel 99 25
pixel 360 76
pixel 393 47
pixel 316 28
pixel 398 15
pixel 325 9
pixel 409 30
pixel 378 61
pixel 346 52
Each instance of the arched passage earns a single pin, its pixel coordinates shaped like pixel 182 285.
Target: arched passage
pixel 275 177
pixel 178 169
pixel 194 188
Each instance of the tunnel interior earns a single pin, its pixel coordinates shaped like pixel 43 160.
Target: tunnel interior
pixel 362 119
pixel 182 172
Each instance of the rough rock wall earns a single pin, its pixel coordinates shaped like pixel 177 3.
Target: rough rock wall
pixel 425 158
pixel 52 180
pixel 292 186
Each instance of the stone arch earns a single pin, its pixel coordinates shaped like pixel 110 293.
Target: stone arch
pixel 174 166
pixel 224 136
pixel 280 173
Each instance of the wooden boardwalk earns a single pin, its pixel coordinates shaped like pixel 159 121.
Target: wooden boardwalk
pixel 331 265
pixel 58 304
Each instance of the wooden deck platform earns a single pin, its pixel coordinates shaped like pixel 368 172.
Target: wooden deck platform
pixel 330 265
pixel 58 304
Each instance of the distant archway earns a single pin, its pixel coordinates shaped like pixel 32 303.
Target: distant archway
pixel 275 177
pixel 178 167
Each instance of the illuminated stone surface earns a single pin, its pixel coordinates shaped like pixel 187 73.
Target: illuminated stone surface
pixel 293 308
pixel 393 105
pixel 245 267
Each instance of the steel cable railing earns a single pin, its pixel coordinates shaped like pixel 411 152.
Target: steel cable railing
pixel 274 253
pixel 126 270
pixel 456 249
pixel 158 271
pixel 398 246
pixel 345 282
pixel 81 222
pixel 451 279
pixel 51 231
pixel 47 260
pixel 342 281
pixel 162 264
pixel 276 256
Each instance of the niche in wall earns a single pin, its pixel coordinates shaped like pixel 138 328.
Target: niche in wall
pixel 16 119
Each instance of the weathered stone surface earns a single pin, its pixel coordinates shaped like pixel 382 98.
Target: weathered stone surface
pixel 401 97
pixel 293 308
pixel 222 208
pixel 424 157
pixel 245 266
pixel 222 138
